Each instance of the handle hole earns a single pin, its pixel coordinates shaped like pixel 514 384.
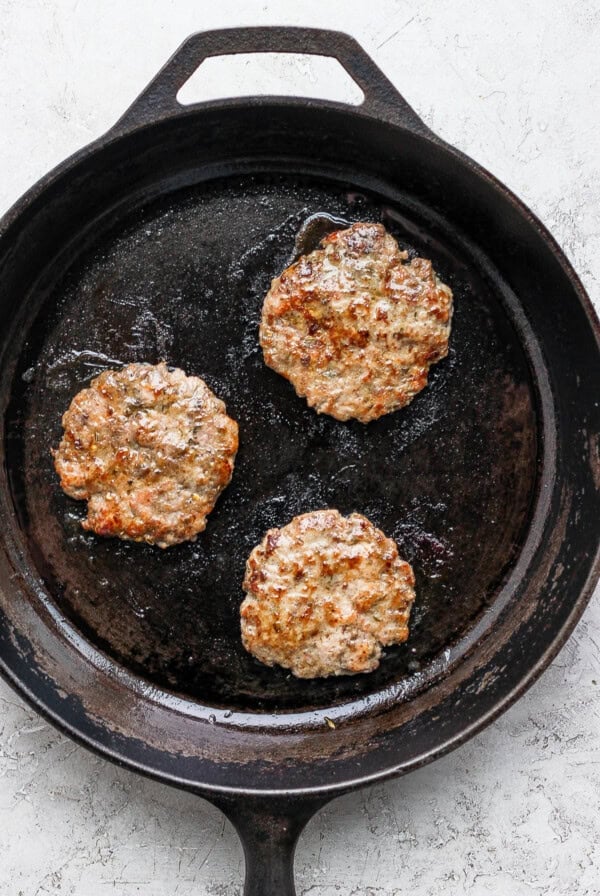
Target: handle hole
pixel 279 74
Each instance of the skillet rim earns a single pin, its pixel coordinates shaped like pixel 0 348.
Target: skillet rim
pixel 25 204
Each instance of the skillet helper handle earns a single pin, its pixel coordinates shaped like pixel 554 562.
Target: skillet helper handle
pixel 269 831
pixel 159 100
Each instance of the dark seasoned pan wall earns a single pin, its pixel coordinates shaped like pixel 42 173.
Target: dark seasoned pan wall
pixel 432 197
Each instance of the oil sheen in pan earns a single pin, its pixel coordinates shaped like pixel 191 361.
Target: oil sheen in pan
pixel 451 477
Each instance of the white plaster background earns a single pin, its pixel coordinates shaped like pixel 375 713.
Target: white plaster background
pixel 515 812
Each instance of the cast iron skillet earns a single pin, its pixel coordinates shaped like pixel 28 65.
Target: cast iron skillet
pixel 159 241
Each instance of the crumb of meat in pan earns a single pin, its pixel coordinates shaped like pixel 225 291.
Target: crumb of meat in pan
pixel 324 594
pixel 150 449
pixel 355 326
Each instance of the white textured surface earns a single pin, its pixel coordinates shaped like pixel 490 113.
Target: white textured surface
pixel 514 812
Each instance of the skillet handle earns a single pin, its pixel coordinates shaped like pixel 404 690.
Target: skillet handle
pixel 159 100
pixel 269 831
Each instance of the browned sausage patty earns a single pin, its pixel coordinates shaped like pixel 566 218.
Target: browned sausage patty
pixel 151 449
pixel 324 593
pixel 354 326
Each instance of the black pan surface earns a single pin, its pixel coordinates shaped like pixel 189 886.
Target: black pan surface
pixel 451 477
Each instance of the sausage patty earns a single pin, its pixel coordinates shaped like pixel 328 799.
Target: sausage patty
pixel 354 326
pixel 324 593
pixel 151 449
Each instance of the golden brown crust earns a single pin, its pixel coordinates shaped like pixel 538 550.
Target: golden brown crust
pixel 151 449
pixel 354 326
pixel 324 593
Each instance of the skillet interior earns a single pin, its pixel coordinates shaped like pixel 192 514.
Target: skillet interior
pixel 451 477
